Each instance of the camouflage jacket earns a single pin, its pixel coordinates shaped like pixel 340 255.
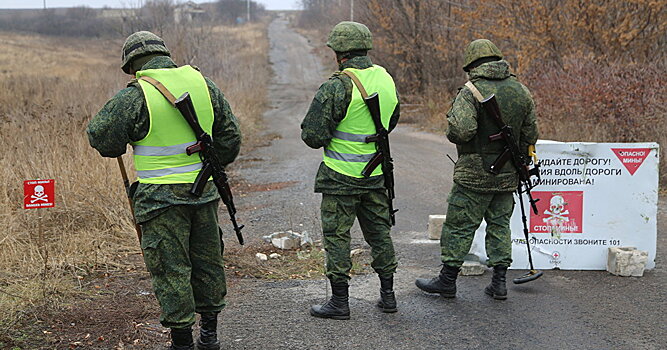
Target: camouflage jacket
pixel 327 110
pixel 124 119
pixel 516 108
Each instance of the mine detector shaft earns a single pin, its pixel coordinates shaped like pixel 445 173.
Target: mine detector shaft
pixel 512 152
pixel 126 183
pixel 211 165
pixel 381 138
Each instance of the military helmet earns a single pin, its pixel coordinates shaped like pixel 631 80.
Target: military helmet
pixel 350 36
pixel 141 44
pixel 480 48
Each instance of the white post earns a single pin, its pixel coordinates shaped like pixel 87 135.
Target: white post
pixel 351 10
pixel 248 10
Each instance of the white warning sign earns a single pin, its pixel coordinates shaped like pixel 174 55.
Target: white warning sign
pixel 592 196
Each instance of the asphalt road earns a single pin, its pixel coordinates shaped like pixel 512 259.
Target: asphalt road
pixel 562 310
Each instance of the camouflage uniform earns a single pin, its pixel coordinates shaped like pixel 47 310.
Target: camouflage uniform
pixel 181 242
pixel 345 197
pixel 477 194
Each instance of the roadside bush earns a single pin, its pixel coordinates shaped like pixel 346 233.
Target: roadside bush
pixel 599 102
pixel 594 67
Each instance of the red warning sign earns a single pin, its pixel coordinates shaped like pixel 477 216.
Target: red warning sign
pixel 632 158
pixel 559 212
pixel 38 194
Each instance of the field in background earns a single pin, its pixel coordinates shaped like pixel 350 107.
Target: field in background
pixel 50 88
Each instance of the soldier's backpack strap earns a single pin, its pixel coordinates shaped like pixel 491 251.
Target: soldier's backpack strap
pixel 477 140
pixel 475 92
pixel 356 82
pixel 160 87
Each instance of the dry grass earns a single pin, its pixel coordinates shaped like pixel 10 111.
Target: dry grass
pixel 51 88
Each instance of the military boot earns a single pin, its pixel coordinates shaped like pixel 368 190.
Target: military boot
pixel 181 339
pixel 208 332
pixel 337 307
pixel 445 283
pixel 387 300
pixel 497 288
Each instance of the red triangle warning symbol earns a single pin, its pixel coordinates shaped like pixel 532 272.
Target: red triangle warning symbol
pixel 632 158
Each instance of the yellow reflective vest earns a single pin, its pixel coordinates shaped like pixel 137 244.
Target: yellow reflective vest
pixel 160 157
pixel 348 153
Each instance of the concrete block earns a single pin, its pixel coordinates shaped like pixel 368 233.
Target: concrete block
pixel 472 268
pixel 435 226
pixel 626 261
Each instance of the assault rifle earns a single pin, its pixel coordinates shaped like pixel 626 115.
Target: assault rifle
pixel 383 155
pixel 211 166
pixel 511 152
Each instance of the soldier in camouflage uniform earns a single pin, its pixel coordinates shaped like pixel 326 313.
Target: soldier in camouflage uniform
pixel 181 243
pixel 339 120
pixel 478 194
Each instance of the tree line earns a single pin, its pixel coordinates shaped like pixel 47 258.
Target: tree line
pixel 593 66
pixel 156 15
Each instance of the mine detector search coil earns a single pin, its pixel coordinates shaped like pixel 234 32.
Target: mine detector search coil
pixel 381 139
pixel 211 166
pixel 512 152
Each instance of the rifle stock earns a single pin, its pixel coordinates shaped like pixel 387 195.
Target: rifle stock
pixel 372 164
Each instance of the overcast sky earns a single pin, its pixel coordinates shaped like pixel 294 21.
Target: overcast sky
pixel 20 4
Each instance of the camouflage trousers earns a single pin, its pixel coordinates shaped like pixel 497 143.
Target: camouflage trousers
pixel 465 212
pixel 183 253
pixel 338 214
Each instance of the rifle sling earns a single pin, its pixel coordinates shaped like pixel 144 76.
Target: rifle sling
pixel 161 88
pixel 475 92
pixel 356 82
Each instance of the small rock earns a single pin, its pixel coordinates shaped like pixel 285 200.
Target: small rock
pixel 358 251
pixel 472 268
pixel 306 239
pixel 261 257
pixel 284 240
pixel 285 243
pixel 274 256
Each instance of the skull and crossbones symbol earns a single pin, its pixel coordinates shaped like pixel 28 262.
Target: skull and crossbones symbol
pixel 39 195
pixel 556 210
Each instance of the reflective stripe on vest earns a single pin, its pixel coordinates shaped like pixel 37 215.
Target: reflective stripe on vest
pixel 160 157
pixel 160 151
pixel 347 157
pixel 351 137
pixel 148 174
pixel 348 152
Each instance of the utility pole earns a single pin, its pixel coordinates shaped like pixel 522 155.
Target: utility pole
pixel 351 10
pixel 248 11
pixel 45 4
